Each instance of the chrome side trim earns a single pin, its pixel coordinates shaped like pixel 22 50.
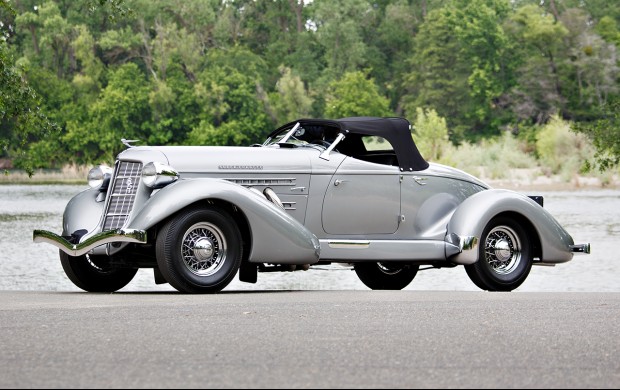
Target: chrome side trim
pixel 288 181
pixel 581 248
pixel 382 250
pixel 107 237
pixel 289 206
pixel 353 244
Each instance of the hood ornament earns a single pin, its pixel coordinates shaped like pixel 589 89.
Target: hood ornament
pixel 129 142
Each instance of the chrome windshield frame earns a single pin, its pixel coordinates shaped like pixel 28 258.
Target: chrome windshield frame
pixel 284 139
pixel 327 152
pixel 289 134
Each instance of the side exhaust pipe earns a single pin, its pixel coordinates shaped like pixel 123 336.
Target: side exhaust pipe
pixel 581 248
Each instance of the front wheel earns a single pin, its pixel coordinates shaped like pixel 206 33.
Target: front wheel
pixel 386 276
pixel 90 273
pixel 199 250
pixel 505 256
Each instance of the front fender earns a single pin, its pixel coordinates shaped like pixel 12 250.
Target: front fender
pixel 83 212
pixel 276 236
pixel 474 214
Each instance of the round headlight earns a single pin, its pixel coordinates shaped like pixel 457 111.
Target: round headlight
pixel 97 175
pixel 157 175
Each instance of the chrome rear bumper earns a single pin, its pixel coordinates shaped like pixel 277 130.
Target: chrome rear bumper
pixel 581 248
pixel 118 235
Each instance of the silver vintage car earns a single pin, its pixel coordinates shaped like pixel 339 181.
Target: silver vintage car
pixel 354 191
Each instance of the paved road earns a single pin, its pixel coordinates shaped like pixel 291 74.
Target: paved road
pixel 298 339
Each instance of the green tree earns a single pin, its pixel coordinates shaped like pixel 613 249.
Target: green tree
pixel 21 117
pixel 462 64
pixel 431 133
pixel 291 99
pixel 607 28
pixel 122 111
pixel 605 135
pixel 340 30
pixel 229 94
pixel 355 95
pixel 438 78
pixel 540 42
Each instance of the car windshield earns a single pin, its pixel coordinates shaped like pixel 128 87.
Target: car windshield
pixel 304 135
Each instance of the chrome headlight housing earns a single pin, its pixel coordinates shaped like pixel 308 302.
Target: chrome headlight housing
pixel 158 175
pixel 100 176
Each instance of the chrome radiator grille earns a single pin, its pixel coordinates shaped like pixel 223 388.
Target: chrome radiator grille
pixel 124 188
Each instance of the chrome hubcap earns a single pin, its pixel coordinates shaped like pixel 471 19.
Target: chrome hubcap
pixel 204 249
pixel 503 250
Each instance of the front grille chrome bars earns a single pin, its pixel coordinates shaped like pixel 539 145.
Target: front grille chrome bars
pixel 123 194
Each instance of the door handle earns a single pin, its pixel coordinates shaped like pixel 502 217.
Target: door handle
pixel 338 182
pixel 420 180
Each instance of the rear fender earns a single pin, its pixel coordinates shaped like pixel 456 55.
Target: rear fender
pixel 474 214
pixel 276 236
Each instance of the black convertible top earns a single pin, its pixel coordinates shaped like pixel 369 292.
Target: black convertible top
pixel 397 131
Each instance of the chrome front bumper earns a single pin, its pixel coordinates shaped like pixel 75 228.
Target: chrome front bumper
pixel 118 235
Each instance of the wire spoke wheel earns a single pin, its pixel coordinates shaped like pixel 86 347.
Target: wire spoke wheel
pixel 504 258
pixel 204 249
pixel 199 250
pixel 502 250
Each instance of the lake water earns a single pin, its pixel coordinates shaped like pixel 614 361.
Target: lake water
pixel 589 216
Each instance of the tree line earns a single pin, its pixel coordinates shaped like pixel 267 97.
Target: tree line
pixel 78 75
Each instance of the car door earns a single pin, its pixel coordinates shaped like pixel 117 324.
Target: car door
pixel 362 198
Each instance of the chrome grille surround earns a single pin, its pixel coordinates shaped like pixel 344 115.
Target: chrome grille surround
pixel 121 199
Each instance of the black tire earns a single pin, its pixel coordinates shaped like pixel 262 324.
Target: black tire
pixel 504 257
pixel 386 276
pixel 199 250
pixel 90 274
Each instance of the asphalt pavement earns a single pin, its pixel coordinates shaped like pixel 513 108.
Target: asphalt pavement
pixel 310 339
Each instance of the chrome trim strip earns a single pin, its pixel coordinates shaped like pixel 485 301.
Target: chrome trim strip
pixel 581 248
pixel 118 235
pixel 264 182
pixel 289 205
pixel 382 250
pixel 353 244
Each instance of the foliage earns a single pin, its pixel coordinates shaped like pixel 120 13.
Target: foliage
pixel 431 134
pixel 560 150
pixel 21 118
pixel 76 76
pixel 492 158
pixel 355 95
pixel 605 135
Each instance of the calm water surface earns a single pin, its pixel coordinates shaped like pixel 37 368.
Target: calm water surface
pixel 589 216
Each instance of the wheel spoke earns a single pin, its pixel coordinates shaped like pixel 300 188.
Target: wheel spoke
pixel 502 250
pixel 203 249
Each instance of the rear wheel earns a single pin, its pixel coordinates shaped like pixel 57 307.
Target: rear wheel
pixel 386 276
pixel 505 256
pixel 90 273
pixel 199 251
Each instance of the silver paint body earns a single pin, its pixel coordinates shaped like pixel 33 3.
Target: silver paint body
pixel 339 210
